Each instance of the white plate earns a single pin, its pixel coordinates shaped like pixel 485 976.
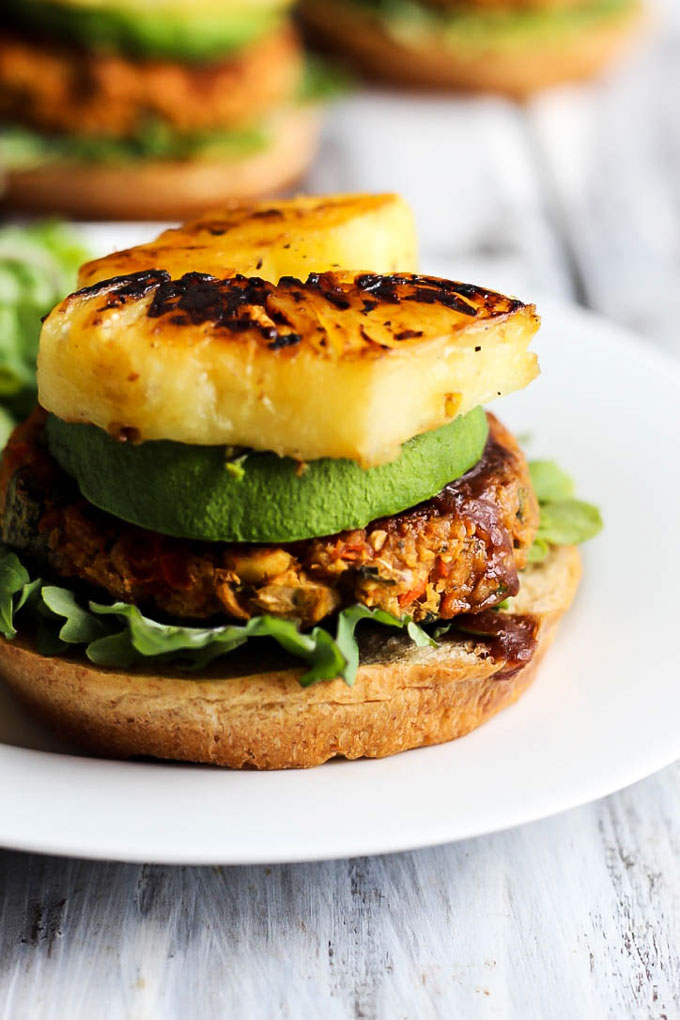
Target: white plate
pixel 603 712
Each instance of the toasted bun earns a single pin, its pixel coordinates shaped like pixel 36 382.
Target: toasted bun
pixel 404 696
pixel 155 190
pixel 515 71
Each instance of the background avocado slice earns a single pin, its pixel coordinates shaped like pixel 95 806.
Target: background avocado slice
pixel 212 493
pixel 184 34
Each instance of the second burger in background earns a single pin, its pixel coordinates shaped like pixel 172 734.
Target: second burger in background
pixel 511 47
pixel 130 110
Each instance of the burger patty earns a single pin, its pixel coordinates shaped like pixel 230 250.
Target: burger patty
pixel 65 90
pixel 456 553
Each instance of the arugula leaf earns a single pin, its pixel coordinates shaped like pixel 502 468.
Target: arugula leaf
pixel 346 626
pixel 7 421
pixel 564 520
pixel 538 551
pixel 568 522
pixel 38 266
pixel 323 81
pixel 16 589
pixel 113 650
pixel 21 147
pixel 80 626
pixel 549 481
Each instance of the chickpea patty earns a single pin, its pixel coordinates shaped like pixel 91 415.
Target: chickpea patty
pixel 64 90
pixel 456 553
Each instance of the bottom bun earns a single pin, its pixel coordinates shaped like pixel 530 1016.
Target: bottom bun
pixel 404 696
pixel 515 70
pixel 152 189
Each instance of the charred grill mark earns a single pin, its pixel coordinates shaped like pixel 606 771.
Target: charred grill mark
pixel 383 287
pixel 197 298
pixel 267 214
pixel 240 304
pixel 279 317
pixel 329 289
pixel 284 340
pixel 130 287
pixel 461 297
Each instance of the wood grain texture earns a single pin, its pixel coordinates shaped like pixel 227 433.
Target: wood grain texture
pixel 578 916
pixel 576 195
pixel 609 158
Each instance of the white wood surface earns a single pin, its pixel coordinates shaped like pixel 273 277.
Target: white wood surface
pixel 577 195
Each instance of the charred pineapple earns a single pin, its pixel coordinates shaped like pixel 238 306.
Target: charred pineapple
pixel 375 233
pixel 345 365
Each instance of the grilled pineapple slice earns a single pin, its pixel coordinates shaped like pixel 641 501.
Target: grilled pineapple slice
pixel 344 365
pixel 375 233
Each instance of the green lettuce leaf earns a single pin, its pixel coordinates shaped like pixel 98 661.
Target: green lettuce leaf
pixel 346 626
pixel 38 266
pixel 564 519
pixel 323 81
pixel 16 589
pixel 20 147
pixel 120 636
pixel 549 481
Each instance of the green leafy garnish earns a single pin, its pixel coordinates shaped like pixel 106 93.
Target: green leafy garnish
pixel 564 519
pixel 16 589
pixel 323 81
pixel 38 266
pixel 20 147
pixel 549 481
pixel 120 636
pixel 235 462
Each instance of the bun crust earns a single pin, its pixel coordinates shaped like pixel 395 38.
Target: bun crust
pixel 156 190
pixel 516 71
pixel 404 697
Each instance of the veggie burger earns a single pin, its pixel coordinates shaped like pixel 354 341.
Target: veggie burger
pixel 122 109
pixel 260 517
pixel 513 47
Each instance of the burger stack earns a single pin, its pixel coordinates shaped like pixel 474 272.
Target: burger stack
pixel 119 109
pixel 512 47
pixel 262 519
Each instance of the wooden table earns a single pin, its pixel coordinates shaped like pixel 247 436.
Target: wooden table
pixel 577 195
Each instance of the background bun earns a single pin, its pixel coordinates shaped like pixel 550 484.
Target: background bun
pixel 149 189
pixel 515 70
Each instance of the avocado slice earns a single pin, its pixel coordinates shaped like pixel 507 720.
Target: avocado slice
pixel 176 33
pixel 221 494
